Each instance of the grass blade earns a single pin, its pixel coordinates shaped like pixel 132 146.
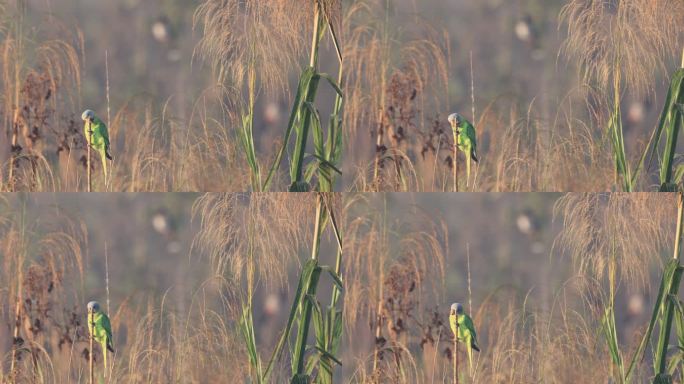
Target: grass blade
pixel 302 286
pixel 665 283
pixel 302 94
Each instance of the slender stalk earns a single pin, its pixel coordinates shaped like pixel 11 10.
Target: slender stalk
pixel 89 140
pixel 378 330
pixel 456 356
pixel 15 141
pixel 470 292
pixel 91 364
pixel 383 80
pixel 680 217
pixel 311 95
pixel 378 144
pixel 17 89
pixel 17 323
pixel 455 161
pixel 109 121
pixel 666 325
pixel 248 131
pixel 306 312
pixel 472 100
pixel 313 57
pixel 381 299
pixel 20 277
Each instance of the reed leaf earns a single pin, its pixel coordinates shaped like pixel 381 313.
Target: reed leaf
pixel 665 284
pixel 305 80
pixel 666 324
pixel 302 287
pixel 246 328
pixel 609 330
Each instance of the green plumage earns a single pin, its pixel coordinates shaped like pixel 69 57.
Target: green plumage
pixel 100 328
pixel 97 136
pixel 462 326
pixel 467 142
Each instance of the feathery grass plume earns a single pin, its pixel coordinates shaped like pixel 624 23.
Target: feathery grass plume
pixel 265 37
pixel 389 269
pixel 275 224
pixel 242 233
pixel 618 44
pixel 627 39
pixel 254 42
pixel 611 238
pixel 167 345
pixel 39 78
pixel 616 230
pixel 386 79
pixel 43 265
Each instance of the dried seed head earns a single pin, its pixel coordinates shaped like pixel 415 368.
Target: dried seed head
pixel 256 236
pixel 625 39
pixel 253 38
pixel 621 231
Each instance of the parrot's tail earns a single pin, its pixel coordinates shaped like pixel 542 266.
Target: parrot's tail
pixel 109 156
pixel 473 155
pixel 111 349
pixel 468 170
pixel 475 347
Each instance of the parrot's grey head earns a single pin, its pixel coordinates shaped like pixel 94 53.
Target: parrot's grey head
pixel 88 115
pixel 457 307
pixel 93 307
pixel 455 119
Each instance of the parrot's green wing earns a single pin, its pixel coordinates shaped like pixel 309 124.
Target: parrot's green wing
pixel 467 137
pixel 468 322
pixel 107 326
pixel 101 129
pixel 467 143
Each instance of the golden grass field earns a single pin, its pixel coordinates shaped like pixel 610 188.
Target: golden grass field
pixel 215 96
pixel 184 277
pixel 196 121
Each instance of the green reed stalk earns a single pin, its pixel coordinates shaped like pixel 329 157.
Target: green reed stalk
pixel 304 118
pixel 305 308
pixel 664 309
pixel 670 123
pixel 669 302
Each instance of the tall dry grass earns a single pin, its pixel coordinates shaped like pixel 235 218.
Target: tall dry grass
pixel 154 148
pixel 399 86
pixel 392 267
pixel 621 47
pixel 393 307
pixel 613 239
pixel 571 142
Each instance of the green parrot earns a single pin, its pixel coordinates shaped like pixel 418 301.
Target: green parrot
pixel 100 137
pixel 464 133
pixel 102 332
pixel 463 328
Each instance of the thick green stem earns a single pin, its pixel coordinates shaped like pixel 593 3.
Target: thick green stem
pixel 665 330
pixel 303 134
pixel 302 335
